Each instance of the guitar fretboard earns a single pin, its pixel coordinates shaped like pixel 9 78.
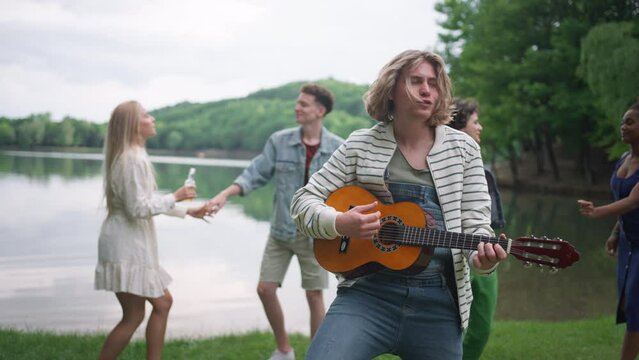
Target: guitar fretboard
pixel 418 236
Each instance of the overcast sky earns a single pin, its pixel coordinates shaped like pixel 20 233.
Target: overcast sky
pixel 83 57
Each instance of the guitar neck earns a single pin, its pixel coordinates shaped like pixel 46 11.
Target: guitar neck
pixel 418 236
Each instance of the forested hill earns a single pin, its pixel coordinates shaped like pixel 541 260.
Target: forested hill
pixel 245 123
pixel 231 124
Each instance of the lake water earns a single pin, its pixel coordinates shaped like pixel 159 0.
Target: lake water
pixel 52 211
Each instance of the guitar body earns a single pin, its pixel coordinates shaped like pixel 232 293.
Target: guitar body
pixel 354 257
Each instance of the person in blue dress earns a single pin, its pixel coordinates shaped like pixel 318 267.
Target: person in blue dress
pixel 624 239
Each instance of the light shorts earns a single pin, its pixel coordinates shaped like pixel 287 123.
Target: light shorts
pixel 277 257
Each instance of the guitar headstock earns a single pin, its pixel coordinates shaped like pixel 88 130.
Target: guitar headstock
pixel 554 253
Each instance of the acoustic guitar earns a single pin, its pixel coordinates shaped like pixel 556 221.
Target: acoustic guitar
pixel 404 233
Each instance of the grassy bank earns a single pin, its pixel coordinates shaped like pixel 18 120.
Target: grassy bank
pixel 585 339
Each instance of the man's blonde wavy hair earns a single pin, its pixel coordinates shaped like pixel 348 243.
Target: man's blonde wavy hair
pixel 377 99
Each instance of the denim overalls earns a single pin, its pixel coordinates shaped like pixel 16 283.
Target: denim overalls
pixel 414 317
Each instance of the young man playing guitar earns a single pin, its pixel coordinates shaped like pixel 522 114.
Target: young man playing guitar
pixel 411 155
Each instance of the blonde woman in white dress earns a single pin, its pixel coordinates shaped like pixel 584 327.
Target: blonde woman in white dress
pixel 127 248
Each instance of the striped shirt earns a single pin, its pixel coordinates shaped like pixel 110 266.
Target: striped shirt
pixel 458 175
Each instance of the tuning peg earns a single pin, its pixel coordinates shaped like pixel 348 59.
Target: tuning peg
pixel 545 237
pixel 527 264
pixel 540 267
pixel 532 236
pixel 553 270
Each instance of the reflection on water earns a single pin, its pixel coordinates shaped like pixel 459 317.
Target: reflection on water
pixel 155 159
pixel 585 289
pixel 48 252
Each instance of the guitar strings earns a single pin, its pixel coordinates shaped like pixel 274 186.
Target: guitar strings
pixel 406 235
pixel 433 237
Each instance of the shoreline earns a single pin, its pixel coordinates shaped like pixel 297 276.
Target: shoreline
pixel 571 183
pixel 594 191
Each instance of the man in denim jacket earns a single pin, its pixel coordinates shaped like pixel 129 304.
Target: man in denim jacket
pixel 290 156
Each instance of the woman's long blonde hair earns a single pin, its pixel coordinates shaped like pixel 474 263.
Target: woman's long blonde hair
pixel 122 134
pixel 377 99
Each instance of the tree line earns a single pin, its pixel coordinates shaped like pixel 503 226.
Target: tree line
pixel 231 124
pixel 546 73
pixel 42 130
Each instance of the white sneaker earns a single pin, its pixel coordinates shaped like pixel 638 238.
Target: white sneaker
pixel 278 355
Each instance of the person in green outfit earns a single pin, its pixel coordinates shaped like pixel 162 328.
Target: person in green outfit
pixel 466 119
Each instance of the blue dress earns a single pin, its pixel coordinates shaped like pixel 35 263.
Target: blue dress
pixel 627 265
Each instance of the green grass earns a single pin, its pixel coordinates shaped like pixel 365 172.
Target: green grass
pixel 574 340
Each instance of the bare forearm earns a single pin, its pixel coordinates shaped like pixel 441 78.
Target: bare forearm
pixel 615 230
pixel 232 190
pixel 219 200
pixel 616 208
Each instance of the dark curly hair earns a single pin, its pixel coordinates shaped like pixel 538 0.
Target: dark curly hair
pixel 464 108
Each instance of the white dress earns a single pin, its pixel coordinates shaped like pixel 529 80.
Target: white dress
pixel 127 247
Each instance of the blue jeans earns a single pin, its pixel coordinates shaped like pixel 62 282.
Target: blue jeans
pixel 414 320
pixel 412 317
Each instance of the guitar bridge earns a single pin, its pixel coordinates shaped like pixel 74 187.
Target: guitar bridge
pixel 343 244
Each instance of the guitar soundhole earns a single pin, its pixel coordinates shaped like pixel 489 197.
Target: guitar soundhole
pixel 389 235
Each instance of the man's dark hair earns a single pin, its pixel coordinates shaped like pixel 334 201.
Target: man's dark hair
pixel 464 108
pixel 322 95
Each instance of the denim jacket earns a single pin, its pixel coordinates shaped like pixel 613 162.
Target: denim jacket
pixel 283 159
